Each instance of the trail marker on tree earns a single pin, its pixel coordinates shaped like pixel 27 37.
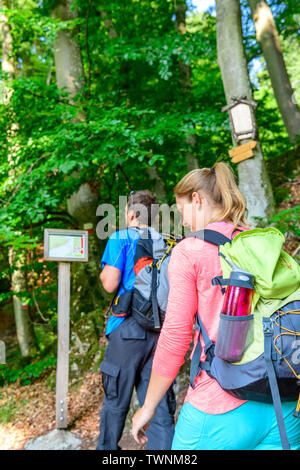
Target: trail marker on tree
pixel 242 152
pixel 64 246
pixel 243 126
pixel 242 119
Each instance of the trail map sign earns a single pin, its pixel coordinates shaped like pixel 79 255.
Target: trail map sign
pixel 64 246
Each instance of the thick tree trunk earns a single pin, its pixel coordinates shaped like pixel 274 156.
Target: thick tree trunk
pixel 8 64
pixel 70 76
pixel 23 323
pixel 86 288
pixel 267 36
pixel 186 84
pixel 67 53
pixel 253 178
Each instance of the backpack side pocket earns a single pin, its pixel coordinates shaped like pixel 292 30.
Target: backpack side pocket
pixel 235 335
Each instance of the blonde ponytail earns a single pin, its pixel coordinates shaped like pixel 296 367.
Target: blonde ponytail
pixel 218 184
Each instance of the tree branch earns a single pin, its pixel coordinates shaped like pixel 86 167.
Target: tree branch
pixel 119 167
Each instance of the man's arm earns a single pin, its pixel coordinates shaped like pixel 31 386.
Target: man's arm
pixel 110 278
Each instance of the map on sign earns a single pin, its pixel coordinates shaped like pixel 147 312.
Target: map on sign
pixel 66 246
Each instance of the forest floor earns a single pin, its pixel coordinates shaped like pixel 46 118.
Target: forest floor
pixel 32 413
pixel 31 410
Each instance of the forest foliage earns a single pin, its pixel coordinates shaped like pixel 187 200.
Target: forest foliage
pixel 137 112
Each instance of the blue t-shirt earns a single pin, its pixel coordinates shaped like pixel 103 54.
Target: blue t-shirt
pixel 119 252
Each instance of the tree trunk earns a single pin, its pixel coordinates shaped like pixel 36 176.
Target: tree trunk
pixel 159 185
pixel 23 323
pixel 70 76
pixel 186 84
pixel 8 64
pixel 82 205
pixel 267 36
pixel 254 182
pixel 67 53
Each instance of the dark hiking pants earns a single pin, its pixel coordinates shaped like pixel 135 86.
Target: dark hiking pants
pixel 127 364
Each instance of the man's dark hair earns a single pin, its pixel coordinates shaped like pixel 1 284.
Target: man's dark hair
pixel 144 205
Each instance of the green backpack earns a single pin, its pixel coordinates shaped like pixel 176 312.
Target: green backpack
pixel 269 368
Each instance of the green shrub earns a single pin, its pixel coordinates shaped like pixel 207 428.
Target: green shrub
pixel 288 220
pixel 28 374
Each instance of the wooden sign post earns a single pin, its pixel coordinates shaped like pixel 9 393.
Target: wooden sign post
pixel 64 246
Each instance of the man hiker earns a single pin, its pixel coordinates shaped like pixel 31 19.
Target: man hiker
pixel 128 357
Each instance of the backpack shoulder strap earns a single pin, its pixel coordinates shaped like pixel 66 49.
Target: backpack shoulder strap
pixel 210 236
pixel 154 300
pixel 196 365
pixel 268 339
pixel 215 238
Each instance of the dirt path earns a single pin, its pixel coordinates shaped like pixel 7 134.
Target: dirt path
pixel 31 410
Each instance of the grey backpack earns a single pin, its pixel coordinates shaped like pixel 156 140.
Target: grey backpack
pixel 151 287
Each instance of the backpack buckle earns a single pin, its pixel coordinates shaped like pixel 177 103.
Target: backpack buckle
pixel 268 327
pixel 208 346
pixel 219 281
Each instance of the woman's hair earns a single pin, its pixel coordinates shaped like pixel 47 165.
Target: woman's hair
pixel 219 186
pixel 144 205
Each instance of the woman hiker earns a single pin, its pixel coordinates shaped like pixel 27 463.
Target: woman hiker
pixel 210 418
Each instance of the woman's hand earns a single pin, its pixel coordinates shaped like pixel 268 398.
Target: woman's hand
pixel 158 387
pixel 140 423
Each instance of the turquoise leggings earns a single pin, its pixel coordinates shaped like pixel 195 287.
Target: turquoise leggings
pixel 251 426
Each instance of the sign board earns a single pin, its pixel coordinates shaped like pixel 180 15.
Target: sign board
pixel 242 118
pixel 242 156
pixel 242 152
pixel 242 148
pixel 65 245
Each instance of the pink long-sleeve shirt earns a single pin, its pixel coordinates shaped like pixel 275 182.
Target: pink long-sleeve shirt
pixel 192 266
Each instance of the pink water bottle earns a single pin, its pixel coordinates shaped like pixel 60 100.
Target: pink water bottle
pixel 239 293
pixel 235 332
pixel 237 301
